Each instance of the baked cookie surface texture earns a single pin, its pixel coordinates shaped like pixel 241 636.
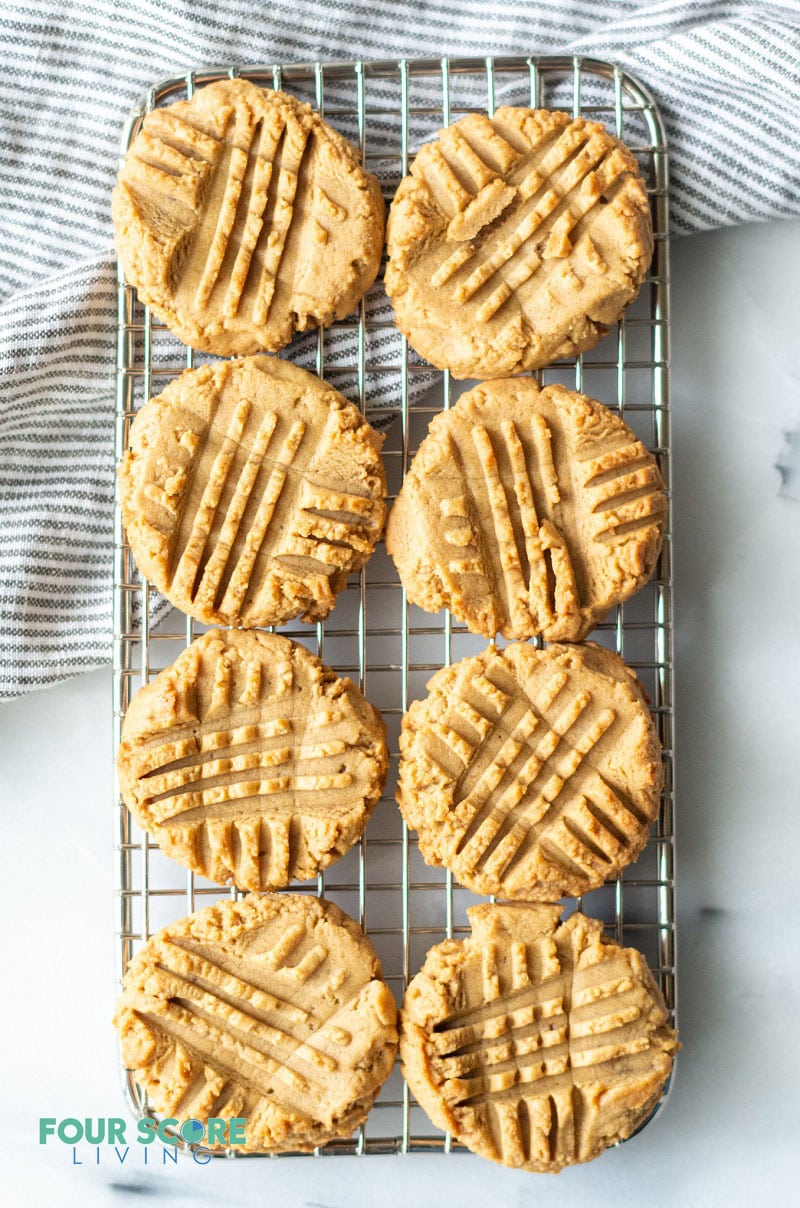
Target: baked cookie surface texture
pixel 516 240
pixel 249 492
pixel 527 512
pixel 529 773
pixel 271 1009
pixel 242 217
pixel 250 761
pixel 536 1043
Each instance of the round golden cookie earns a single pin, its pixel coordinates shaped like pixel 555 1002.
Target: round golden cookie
pixel 529 773
pixel 527 512
pixel 250 761
pixel 242 217
pixel 537 1044
pixel 270 1010
pixel 516 240
pixel 251 489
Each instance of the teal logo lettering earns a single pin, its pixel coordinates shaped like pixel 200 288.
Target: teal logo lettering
pixel 89 1138
pixel 108 1130
pixel 193 1131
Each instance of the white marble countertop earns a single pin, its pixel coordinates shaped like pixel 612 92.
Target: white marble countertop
pixel 727 1136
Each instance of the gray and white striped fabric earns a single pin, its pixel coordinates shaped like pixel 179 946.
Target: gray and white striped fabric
pixel 725 75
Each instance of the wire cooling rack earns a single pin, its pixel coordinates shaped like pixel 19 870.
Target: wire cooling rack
pixel 389 647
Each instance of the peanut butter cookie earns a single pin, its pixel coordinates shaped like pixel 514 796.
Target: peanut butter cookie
pixel 529 773
pixel 251 489
pixel 242 217
pixel 537 1044
pixel 516 240
pixel 527 512
pixel 251 762
pixel 271 1010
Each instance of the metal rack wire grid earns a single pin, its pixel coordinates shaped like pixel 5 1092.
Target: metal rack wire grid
pixel 389 647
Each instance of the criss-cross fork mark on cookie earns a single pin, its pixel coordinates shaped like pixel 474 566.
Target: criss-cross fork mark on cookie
pixel 527 512
pixel 250 491
pixel 517 239
pixel 522 783
pixel 264 775
pixel 222 551
pixel 530 566
pixel 217 1027
pixel 518 790
pixel 532 1038
pixel 226 190
pixel 499 196
pixel 216 1013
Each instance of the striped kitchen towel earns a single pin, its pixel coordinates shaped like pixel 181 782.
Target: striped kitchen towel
pixel 725 75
